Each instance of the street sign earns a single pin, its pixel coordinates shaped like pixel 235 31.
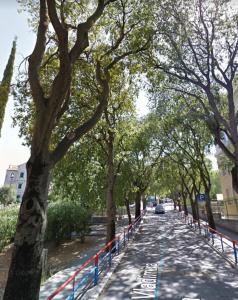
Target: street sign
pixel 201 197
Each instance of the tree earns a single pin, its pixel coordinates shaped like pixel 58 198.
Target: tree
pixel 7 195
pixel 112 136
pixel 189 142
pixel 198 53
pixel 59 48
pixel 6 83
pixel 145 155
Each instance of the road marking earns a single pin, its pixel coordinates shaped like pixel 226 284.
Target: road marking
pixel 160 270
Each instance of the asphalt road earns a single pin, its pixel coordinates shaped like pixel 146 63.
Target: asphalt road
pixel 186 266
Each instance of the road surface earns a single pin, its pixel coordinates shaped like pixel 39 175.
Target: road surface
pixel 187 267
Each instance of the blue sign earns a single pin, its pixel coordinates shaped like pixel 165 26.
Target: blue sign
pixel 201 197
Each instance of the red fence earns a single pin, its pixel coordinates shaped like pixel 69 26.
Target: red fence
pixel 95 265
pixel 223 244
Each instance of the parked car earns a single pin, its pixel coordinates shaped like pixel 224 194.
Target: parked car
pixel 159 209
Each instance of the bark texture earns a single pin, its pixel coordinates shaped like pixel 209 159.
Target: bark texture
pixel 26 265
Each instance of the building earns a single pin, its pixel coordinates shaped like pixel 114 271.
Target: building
pixel 16 176
pixel 230 197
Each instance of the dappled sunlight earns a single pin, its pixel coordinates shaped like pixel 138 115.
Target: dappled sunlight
pixel 188 266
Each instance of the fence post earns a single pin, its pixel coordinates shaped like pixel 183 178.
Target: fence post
pixel 118 245
pixel 199 227
pixel 235 253
pixel 222 244
pixel 212 238
pixel 72 295
pixel 110 255
pixel 207 234
pixel 96 273
pixel 124 238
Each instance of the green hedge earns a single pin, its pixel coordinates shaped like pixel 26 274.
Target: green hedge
pixel 8 221
pixel 63 219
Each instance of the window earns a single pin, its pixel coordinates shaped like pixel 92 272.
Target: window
pixel 21 174
pixel 18 197
pixel 12 175
pixel 19 185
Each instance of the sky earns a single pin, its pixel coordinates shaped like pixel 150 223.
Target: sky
pixel 12 152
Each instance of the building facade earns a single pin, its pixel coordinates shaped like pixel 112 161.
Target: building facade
pixel 16 177
pixel 230 197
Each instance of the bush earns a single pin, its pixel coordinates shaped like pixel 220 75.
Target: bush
pixel 65 218
pixel 7 195
pixel 8 217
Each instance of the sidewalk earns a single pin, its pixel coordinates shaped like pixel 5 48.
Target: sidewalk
pixel 52 283
pixel 187 266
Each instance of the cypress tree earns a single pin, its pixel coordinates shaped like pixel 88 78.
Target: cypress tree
pixel 6 83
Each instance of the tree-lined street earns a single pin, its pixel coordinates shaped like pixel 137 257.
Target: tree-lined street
pixel 92 156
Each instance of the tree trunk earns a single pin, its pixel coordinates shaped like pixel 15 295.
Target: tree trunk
pixel 144 201
pixel 137 204
pixel 128 210
pixel 24 275
pixel 234 174
pixel 185 206
pixel 175 204
pixel 179 205
pixel 210 218
pixel 194 210
pixel 111 209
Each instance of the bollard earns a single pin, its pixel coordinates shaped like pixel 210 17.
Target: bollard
pixel 234 249
pixel 96 273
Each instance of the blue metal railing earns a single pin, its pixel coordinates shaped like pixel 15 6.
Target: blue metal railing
pixel 96 265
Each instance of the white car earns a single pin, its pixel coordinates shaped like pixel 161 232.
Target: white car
pixel 159 209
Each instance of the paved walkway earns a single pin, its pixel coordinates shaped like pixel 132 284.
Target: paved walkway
pixel 187 266
pixel 99 233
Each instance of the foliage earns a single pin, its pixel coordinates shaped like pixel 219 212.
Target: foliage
pixel 65 218
pixel 7 195
pixel 197 55
pixel 216 186
pixel 8 217
pixel 6 83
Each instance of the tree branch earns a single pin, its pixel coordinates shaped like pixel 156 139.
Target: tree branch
pixel 36 57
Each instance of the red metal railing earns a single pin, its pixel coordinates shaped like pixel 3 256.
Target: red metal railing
pixel 221 242
pixel 97 262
